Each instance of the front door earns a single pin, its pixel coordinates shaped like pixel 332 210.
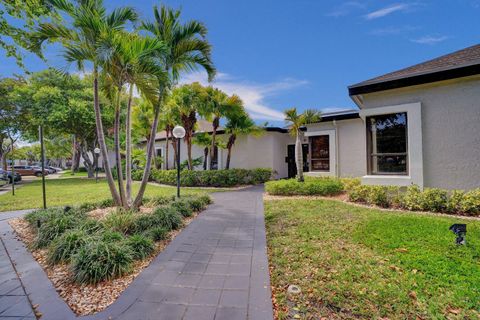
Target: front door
pixel 292 168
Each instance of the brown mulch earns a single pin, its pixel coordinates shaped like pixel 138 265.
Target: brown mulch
pixel 87 299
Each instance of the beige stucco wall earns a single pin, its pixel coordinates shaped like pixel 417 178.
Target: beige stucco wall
pixel 351 145
pixel 450 129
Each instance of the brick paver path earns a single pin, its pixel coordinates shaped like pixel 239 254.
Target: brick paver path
pixel 216 268
pixel 14 303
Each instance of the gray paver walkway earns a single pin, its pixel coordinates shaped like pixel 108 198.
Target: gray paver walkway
pixel 216 268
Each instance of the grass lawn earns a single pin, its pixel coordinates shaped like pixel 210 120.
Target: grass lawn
pixel 71 191
pixel 353 262
pixel 68 174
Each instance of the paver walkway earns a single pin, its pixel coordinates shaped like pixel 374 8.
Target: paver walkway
pixel 216 268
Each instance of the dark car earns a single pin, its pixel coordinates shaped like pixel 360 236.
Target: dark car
pixel 8 176
pixel 29 171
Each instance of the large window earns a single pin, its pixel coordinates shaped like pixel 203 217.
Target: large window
pixel 387 144
pixel 320 153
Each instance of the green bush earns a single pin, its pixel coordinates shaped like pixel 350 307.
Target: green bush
pixel 350 183
pixel 140 245
pixel 213 178
pixel 168 218
pixel 382 196
pixel 311 186
pixel 146 221
pixel 434 199
pixel 101 260
pixel 157 233
pixel 65 246
pixel 183 207
pixel 120 221
pixel 137 175
pixel 111 236
pixel 471 202
pixel 91 226
pixel 42 215
pixel 53 228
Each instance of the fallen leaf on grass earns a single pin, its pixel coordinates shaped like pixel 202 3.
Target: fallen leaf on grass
pixel 413 295
pixel 402 250
pixel 454 311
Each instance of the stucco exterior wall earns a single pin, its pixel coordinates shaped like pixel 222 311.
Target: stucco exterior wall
pixel 450 129
pixel 350 146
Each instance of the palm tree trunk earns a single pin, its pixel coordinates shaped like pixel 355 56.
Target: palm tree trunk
pixel 175 152
pixel 128 146
pixel 150 147
pixel 101 139
pixel 118 158
pixel 167 132
pixel 231 142
pixel 299 156
pixel 205 158
pixel 74 155
pixel 189 152
pixel 215 124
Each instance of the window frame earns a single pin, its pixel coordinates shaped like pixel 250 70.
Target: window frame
pixel 371 154
pixel 310 153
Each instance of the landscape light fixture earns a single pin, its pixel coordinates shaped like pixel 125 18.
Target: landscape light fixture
pixel 97 154
pixel 460 231
pixel 178 132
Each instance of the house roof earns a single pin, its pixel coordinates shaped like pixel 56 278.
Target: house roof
pixel 340 115
pixel 461 63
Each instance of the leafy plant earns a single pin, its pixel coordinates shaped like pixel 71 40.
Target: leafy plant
pixel 65 246
pixel 183 207
pixel 311 186
pixel 168 218
pixel 157 233
pixel 53 228
pixel 101 260
pixel 121 221
pixel 140 245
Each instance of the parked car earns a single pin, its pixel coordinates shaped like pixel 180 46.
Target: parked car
pixel 50 169
pixel 8 176
pixel 29 171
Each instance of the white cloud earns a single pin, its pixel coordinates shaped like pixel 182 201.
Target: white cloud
pixel 252 94
pixel 387 10
pixel 393 30
pixel 345 9
pixel 430 39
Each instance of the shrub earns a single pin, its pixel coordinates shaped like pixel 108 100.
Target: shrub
pixel 91 226
pixel 101 260
pixel 111 236
pixel 121 221
pixel 157 233
pixel 137 175
pixel 146 221
pixel 350 183
pixel 434 200
pixel 41 216
pixel 455 201
pixel 65 246
pixel 412 199
pixel 183 207
pixel 382 196
pixel 168 218
pixel 140 245
pixel 213 178
pixel 311 186
pixel 87 207
pixel 471 202
pixel 53 228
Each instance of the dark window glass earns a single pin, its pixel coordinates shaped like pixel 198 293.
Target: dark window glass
pixel 320 157
pixel 387 144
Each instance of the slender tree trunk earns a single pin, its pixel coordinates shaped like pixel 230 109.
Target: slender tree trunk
pixel 299 156
pixel 118 158
pixel 101 140
pixel 74 154
pixel 175 152
pixel 230 143
pixel 189 152
pixel 167 132
pixel 3 157
pixel 150 147
pixel 128 146
pixel 215 125
pixel 205 158
pixel 86 160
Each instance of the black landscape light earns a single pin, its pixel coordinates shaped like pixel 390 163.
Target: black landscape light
pixel 461 231
pixel 178 133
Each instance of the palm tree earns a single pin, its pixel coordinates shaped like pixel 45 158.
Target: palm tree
pixel 128 59
pixel 204 140
pixel 186 49
pixel 296 122
pixel 170 117
pixel 187 99
pixel 238 123
pixel 217 105
pixel 80 36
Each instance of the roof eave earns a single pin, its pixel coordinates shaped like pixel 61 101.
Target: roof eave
pixel 442 75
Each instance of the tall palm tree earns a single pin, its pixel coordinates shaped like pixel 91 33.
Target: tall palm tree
pixel 203 140
pixel 238 123
pixel 186 49
pixel 296 122
pixel 217 105
pixel 170 117
pixel 187 99
pixel 87 25
pixel 128 59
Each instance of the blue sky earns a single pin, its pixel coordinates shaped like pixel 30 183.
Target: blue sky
pixel 304 53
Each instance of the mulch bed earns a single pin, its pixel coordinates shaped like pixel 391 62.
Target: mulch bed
pixel 87 299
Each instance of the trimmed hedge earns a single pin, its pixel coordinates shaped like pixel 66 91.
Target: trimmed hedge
pixel 311 186
pixel 213 178
pixel 414 199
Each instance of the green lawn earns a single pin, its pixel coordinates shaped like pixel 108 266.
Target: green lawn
pixel 70 191
pixel 68 174
pixel 354 262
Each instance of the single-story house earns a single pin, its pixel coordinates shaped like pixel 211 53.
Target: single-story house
pixel 419 125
